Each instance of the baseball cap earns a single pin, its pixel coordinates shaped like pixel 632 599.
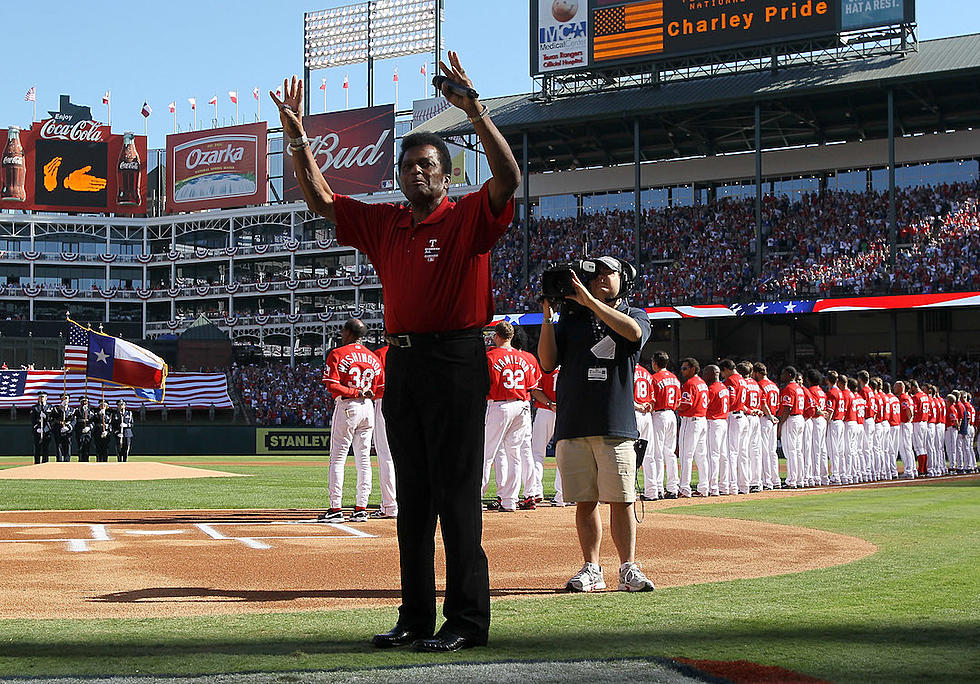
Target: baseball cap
pixel 612 263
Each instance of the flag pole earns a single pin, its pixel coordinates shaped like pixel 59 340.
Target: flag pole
pixel 236 109
pixel 258 108
pixel 175 118
pixel 109 110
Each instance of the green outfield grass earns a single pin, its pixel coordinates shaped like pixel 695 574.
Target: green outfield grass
pixel 907 613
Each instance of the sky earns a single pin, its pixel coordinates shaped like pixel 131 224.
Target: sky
pixel 167 51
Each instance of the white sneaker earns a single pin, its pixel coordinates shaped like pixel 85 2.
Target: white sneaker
pixel 589 578
pixel 631 578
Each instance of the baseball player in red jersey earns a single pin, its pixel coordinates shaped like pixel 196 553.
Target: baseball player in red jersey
pixel 691 443
pixel 868 425
pixel 905 449
pixel 937 426
pixel 542 430
pixel 767 426
pixel 920 433
pixel 737 427
pixel 806 446
pixel 386 468
pixel 643 406
pixel 818 448
pixel 835 427
pixel 952 419
pixel 750 454
pixel 530 482
pixel 790 428
pixel 660 462
pixel 894 430
pixel 351 374
pixel 972 420
pixel 881 429
pixel 512 376
pixel 859 408
pixel 717 417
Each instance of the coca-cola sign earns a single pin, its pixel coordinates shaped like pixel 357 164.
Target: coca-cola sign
pixel 71 162
pixel 84 131
pixel 354 149
pixel 221 167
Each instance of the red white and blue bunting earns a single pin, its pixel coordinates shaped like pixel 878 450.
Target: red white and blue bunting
pixel 108 258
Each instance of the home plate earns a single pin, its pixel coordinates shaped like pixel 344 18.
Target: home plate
pixel 131 470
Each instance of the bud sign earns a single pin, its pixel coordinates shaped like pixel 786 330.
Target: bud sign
pixel 221 167
pixel 355 150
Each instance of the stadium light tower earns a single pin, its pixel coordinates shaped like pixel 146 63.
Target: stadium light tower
pixel 377 29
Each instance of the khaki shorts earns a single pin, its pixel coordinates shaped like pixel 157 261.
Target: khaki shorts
pixel 597 469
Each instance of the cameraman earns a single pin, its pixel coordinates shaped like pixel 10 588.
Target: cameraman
pixel 597 343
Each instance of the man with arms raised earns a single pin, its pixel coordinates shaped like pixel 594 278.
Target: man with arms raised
pixel 432 257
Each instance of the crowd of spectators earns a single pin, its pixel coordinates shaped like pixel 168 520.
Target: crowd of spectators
pixel 275 394
pixel 822 244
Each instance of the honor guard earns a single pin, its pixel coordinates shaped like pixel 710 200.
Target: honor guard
pixel 41 427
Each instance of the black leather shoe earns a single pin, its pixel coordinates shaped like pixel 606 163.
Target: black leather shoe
pixel 445 643
pixel 398 636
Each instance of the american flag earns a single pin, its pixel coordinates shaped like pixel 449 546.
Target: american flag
pixel 31 95
pixel 76 347
pixel 200 390
pixel 636 29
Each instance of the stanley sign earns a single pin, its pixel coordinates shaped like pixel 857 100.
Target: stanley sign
pixel 292 440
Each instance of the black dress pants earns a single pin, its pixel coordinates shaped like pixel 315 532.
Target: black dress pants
pixel 41 448
pixel 434 408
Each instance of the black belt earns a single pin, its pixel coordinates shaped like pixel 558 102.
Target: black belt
pixel 408 340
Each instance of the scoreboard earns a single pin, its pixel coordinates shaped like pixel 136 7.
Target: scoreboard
pixel 577 35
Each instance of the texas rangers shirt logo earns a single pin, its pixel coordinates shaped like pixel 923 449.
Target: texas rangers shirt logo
pixel 432 251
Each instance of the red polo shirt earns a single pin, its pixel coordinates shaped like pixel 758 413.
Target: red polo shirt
pixel 642 385
pixel 694 398
pixel 666 390
pixel 835 403
pixel 435 276
pixel 717 402
pixel 793 398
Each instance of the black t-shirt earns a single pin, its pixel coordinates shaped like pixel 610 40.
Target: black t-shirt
pixel 595 395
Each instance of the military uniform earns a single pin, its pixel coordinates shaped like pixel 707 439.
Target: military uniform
pixel 122 427
pixel 41 431
pixel 102 432
pixel 84 418
pixel 62 424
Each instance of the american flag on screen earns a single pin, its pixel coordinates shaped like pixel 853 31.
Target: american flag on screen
pixel 636 29
pixel 76 348
pixel 200 390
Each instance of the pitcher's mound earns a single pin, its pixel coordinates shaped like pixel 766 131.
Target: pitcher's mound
pixel 132 470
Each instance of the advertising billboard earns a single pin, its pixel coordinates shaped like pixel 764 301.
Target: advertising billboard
pixel 355 150
pixel 291 440
pixel 217 168
pixel 70 162
pixel 860 14
pixel 624 31
pixel 560 30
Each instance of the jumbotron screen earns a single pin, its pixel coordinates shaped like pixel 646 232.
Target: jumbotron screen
pixel 574 35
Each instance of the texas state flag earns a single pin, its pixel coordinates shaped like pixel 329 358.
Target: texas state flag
pixel 114 360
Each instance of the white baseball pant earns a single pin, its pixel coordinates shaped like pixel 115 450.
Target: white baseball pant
pixel 770 457
pixel 692 448
pixel 717 442
pixel 386 467
pixel 835 450
pixel 644 425
pixel 819 449
pixel 527 458
pixel 351 426
pixel 791 438
pixel 728 467
pixel 502 448
pixel 663 452
pixel 542 430
pixel 905 450
pixel 749 450
pixel 806 447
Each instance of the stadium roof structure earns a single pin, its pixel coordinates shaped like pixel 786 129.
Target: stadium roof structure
pixel 936 88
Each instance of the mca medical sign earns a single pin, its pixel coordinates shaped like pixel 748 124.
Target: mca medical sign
pixel 576 35
pixel 292 440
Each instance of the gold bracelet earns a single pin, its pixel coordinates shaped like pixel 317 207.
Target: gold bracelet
pixel 479 117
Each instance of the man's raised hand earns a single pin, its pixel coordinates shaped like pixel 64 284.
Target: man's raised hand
pixel 454 72
pixel 290 106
